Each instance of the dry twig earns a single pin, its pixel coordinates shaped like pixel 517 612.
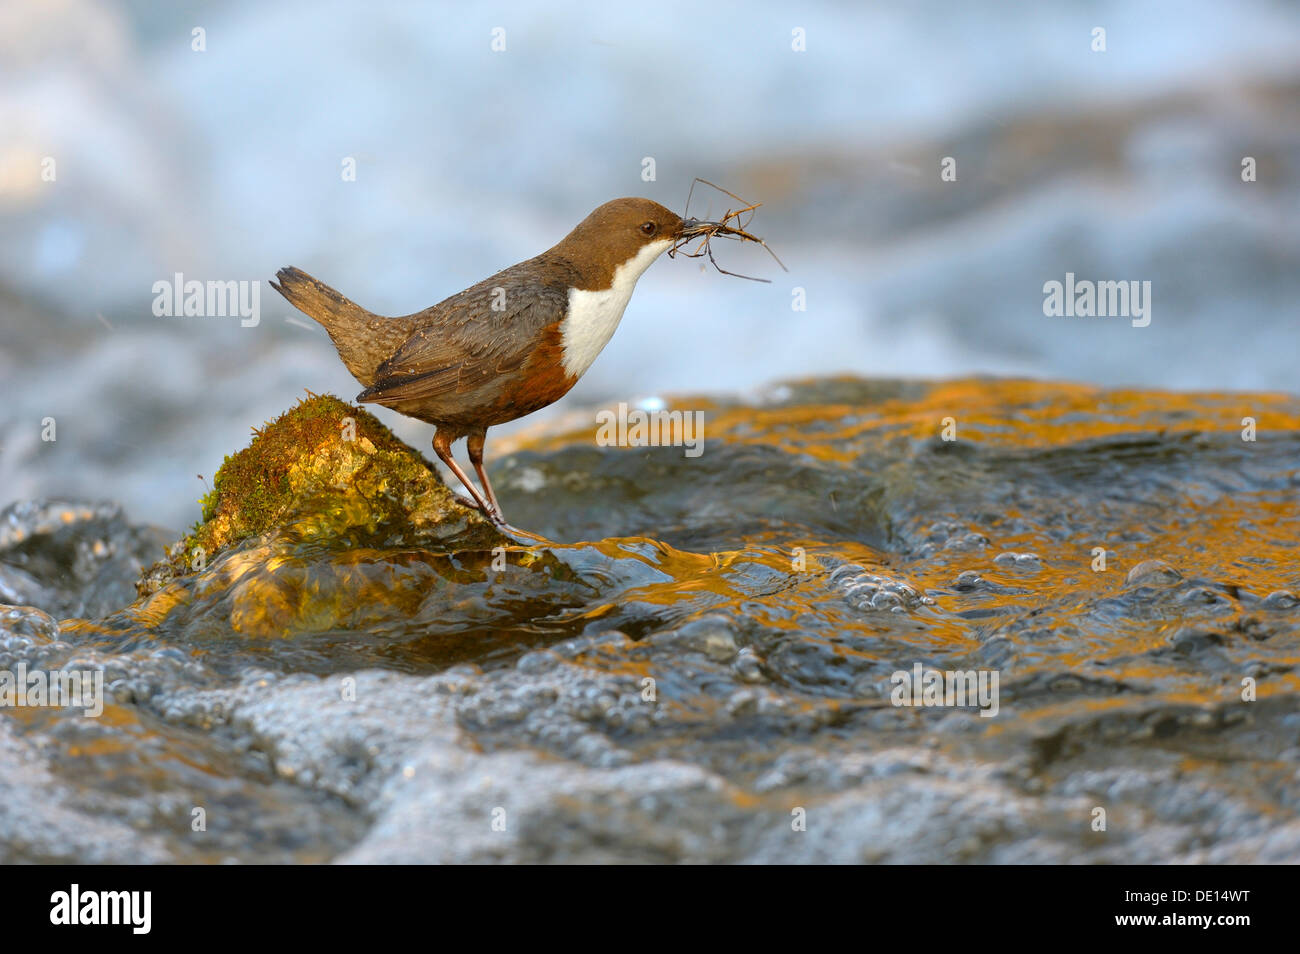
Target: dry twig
pixel 705 231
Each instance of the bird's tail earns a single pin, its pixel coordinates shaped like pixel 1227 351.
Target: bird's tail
pixel 363 339
pixel 317 300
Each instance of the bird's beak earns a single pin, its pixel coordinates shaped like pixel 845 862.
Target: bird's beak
pixel 692 228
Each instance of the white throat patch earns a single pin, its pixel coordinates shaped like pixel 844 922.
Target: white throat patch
pixel 594 315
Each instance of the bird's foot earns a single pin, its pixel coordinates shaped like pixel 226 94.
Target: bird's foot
pixel 494 516
pixel 465 501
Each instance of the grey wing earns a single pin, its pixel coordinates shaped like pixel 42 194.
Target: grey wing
pixel 464 342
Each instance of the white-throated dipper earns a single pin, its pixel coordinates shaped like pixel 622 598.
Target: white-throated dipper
pixel 503 348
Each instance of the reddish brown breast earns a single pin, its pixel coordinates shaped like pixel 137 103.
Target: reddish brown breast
pixel 541 381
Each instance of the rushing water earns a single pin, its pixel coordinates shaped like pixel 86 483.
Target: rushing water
pixel 699 655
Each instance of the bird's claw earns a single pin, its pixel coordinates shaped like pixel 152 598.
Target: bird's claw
pixel 495 517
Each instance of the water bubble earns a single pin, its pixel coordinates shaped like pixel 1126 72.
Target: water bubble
pixel 886 599
pixel 748 666
pixel 711 635
pixel 28 621
pixel 861 592
pixel 846 569
pixel 536 662
pixel 742 702
pixel 967 542
pixel 1152 571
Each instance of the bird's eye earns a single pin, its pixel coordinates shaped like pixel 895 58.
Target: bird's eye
pixel 648 228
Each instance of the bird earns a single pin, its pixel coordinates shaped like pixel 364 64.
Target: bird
pixel 505 347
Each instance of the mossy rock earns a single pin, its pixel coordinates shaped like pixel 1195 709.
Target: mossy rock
pixel 325 473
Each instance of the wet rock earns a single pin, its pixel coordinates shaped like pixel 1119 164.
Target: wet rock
pixel 323 474
pixel 288 533
pixel 72 558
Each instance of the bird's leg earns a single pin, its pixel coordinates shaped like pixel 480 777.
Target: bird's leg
pixel 442 447
pixel 475 443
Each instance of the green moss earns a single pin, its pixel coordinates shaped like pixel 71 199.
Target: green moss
pixel 208 506
pixel 326 472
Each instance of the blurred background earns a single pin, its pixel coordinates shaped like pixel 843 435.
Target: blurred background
pixel 227 163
